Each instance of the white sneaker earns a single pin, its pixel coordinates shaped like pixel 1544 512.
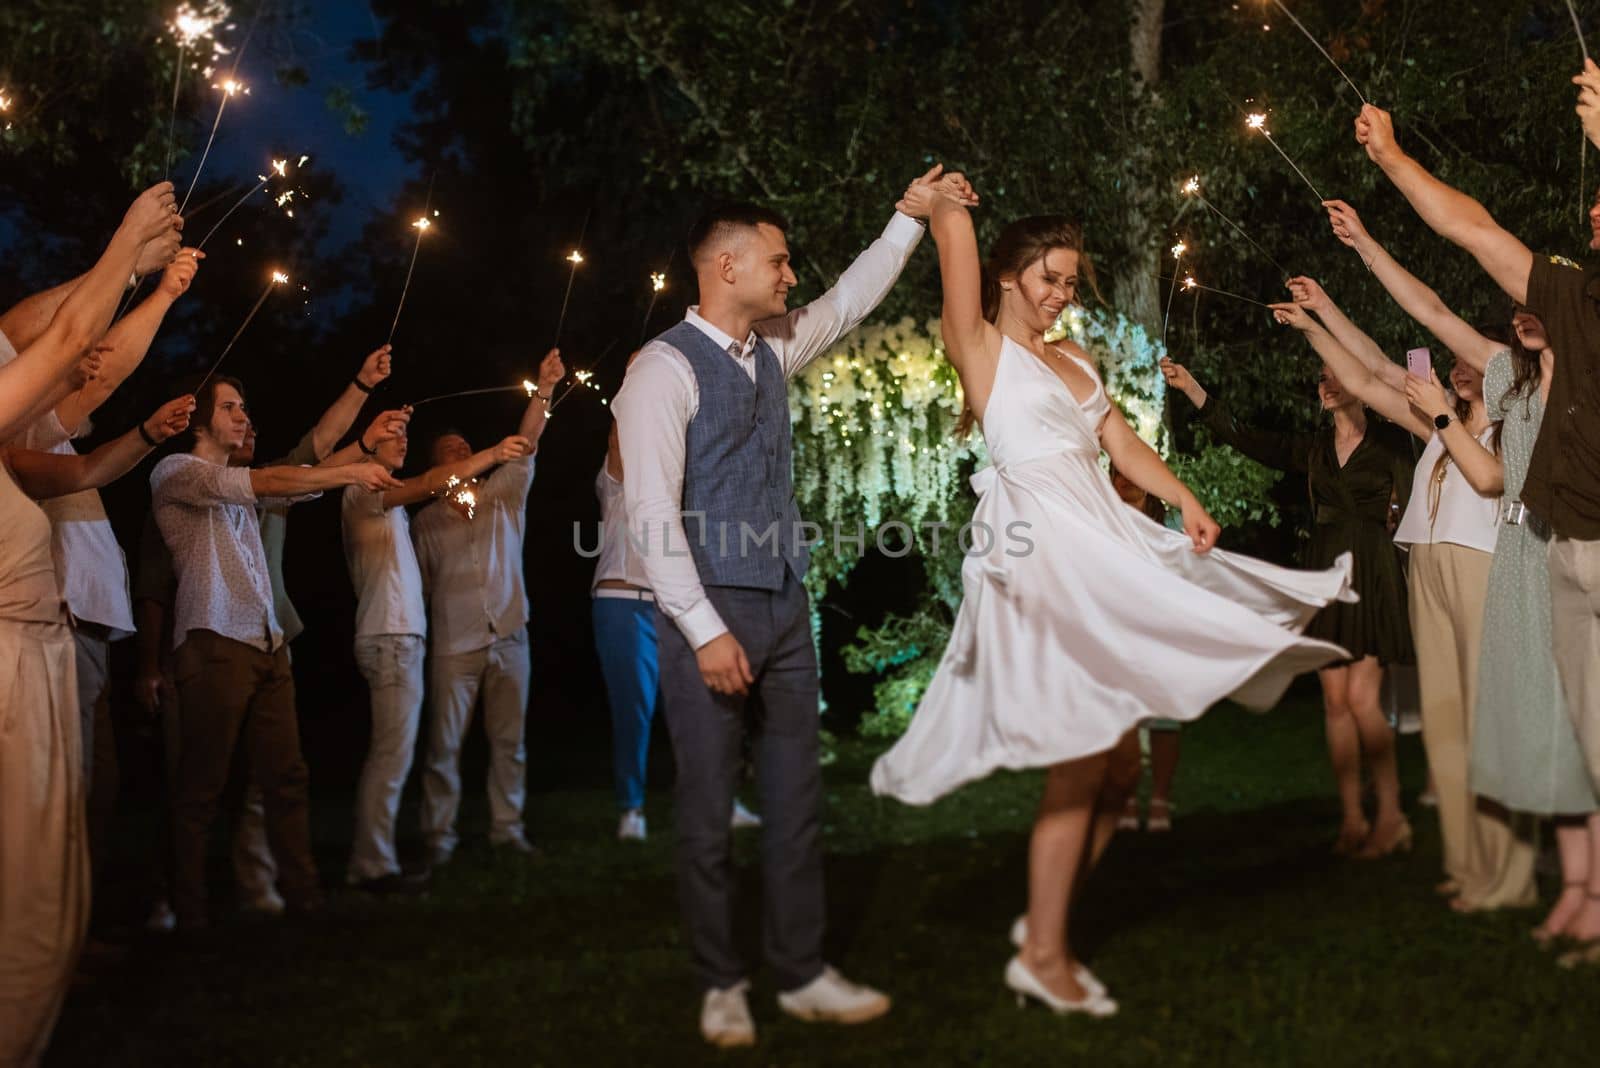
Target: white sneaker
pixel 725 1017
pixel 162 919
pixel 831 998
pixel 743 817
pixel 631 827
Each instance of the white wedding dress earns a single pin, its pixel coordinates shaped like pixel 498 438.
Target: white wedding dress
pixel 1108 620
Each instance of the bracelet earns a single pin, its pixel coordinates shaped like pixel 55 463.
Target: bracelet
pixel 362 386
pixel 543 396
pixel 362 443
pixel 148 440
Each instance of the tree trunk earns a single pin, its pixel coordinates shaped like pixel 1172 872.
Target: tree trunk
pixel 1135 291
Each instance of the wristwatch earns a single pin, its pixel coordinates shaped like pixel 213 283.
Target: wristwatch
pixel 1440 422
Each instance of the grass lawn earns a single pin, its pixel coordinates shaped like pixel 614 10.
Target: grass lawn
pixel 1237 939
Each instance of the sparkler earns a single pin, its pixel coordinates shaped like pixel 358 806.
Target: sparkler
pixel 658 282
pixel 1258 122
pixel 1191 188
pixel 191 27
pixel 1318 44
pixel 421 225
pixel 575 258
pixel 277 279
pixel 1583 138
pixel 526 387
pixel 230 87
pixel 279 169
pixel 5 106
pixel 1177 257
pixel 461 492
pixel 583 378
pixel 1189 285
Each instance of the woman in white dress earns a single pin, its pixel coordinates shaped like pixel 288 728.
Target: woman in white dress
pixel 1049 660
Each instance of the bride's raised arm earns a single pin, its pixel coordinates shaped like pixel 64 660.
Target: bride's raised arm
pixel 966 331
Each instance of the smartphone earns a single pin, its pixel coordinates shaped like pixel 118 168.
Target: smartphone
pixel 1419 362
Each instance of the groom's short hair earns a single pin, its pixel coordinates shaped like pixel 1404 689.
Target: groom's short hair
pixel 722 221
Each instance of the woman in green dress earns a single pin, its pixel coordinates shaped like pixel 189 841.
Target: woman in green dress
pixel 1354 466
pixel 1525 752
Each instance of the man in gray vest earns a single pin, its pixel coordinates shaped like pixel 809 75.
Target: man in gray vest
pixel 703 417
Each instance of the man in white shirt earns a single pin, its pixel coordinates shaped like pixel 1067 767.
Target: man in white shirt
pixel 391 624
pixel 231 665
pixel 469 551
pixel 704 423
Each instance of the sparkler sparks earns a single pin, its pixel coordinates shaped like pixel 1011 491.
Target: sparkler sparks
pixel 1191 188
pixel 1258 122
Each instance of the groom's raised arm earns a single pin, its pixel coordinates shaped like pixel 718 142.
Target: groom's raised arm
pixel 652 411
pixel 808 332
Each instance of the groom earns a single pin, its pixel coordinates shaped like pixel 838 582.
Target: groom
pixel 703 418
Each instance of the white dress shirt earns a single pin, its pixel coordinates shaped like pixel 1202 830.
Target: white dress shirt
pixel 90 566
pixel 617 559
pixel 660 397
pixel 472 568
pixel 383 566
pixel 207 516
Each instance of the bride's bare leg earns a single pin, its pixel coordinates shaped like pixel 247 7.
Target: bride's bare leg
pixel 1059 846
pixel 1120 782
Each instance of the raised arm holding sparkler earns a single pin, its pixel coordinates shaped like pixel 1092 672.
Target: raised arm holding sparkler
pixel 29 384
pixel 43 475
pixel 535 415
pixel 1451 213
pixel 1309 294
pixel 1413 295
pixel 128 341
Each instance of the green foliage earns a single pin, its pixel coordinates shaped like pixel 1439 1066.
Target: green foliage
pixel 1234 488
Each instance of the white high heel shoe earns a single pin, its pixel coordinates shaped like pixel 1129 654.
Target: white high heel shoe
pixel 1086 979
pixel 1026 985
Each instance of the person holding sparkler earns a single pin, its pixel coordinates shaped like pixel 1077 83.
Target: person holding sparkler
pixel 391 625
pixel 232 664
pixel 1524 751
pixel 1448 530
pixel 44 863
pixel 703 422
pixel 1076 593
pixel 89 562
pixel 469 551
pixel 1353 467
pixel 255 869
pixel 1562 485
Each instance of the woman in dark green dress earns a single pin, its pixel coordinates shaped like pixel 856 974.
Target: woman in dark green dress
pixel 1354 468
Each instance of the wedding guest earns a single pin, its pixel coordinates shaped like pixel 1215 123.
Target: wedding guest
pixel 470 556
pixel 625 639
pixel 231 664
pixel 391 627
pixel 1562 485
pixel 1353 466
pixel 1449 528
pixel 44 862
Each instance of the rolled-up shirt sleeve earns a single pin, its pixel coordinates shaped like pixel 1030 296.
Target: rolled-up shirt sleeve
pixel 653 411
pixel 511 482
pixel 807 332
pixel 195 482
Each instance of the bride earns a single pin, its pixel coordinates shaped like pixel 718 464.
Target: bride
pixel 1050 659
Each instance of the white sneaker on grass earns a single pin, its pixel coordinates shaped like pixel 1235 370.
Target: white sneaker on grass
pixel 831 998
pixel 631 827
pixel 725 1017
pixel 743 817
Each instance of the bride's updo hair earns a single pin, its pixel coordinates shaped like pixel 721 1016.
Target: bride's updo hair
pixel 1024 243
pixel 1019 246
